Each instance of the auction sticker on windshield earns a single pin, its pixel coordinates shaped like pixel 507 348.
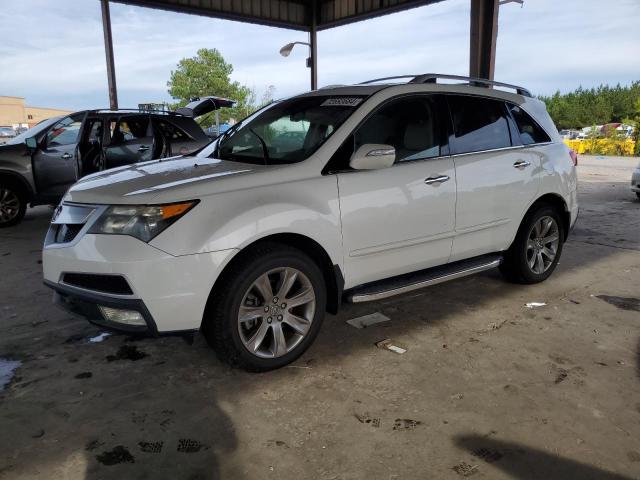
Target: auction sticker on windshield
pixel 341 102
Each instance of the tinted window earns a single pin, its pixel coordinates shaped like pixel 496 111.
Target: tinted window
pixel 408 124
pixel 65 132
pixel 478 124
pixel 170 131
pixel 530 131
pixel 129 128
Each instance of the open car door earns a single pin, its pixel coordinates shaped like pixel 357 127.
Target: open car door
pixel 132 141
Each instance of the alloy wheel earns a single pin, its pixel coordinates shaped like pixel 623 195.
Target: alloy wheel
pixel 276 312
pixel 9 205
pixel 542 244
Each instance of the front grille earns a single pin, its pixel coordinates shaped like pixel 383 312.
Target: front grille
pixel 114 284
pixel 65 233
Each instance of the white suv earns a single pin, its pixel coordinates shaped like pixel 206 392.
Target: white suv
pixel 348 193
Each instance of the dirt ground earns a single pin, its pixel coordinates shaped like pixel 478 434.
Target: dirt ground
pixel 488 388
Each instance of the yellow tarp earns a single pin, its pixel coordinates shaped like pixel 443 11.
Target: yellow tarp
pixel 602 146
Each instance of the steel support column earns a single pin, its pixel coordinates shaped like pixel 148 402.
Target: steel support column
pixel 108 48
pixel 313 44
pixel 484 34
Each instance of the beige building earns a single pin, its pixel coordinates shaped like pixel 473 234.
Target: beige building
pixel 14 113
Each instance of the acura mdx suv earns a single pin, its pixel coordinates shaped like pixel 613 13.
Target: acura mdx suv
pixel 343 194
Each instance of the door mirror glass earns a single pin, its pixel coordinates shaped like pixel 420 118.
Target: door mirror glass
pixel 372 156
pixel 31 142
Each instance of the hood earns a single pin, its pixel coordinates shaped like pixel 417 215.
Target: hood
pixel 143 182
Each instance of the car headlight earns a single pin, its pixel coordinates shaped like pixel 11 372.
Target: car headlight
pixel 140 221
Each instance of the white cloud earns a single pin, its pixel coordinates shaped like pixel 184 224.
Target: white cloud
pixel 52 53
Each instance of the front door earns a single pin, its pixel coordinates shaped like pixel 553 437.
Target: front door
pixel 54 162
pixel 132 141
pixel 497 178
pixel 398 219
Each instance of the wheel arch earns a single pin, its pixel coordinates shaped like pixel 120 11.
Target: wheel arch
pixel 557 202
pixel 332 273
pixel 18 179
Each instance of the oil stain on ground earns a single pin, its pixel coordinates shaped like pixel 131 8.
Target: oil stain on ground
pixel 127 352
pixel 115 456
pixel 624 303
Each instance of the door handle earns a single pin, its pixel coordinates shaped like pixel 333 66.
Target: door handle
pixel 67 156
pixel 143 148
pixel 436 180
pixel 521 164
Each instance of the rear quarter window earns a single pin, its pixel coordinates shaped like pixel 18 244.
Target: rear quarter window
pixel 478 123
pixel 530 131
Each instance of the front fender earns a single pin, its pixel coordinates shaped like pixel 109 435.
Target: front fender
pixel 233 220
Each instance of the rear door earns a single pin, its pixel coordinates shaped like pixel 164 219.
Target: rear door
pixel 399 219
pixel 497 178
pixel 131 141
pixel 180 135
pixel 54 162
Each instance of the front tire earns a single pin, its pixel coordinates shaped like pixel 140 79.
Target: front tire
pixel 13 203
pixel 536 250
pixel 266 309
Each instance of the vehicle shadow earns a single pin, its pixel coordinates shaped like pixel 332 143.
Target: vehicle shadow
pixel 522 462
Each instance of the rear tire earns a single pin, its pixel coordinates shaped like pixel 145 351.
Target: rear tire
pixel 266 309
pixel 13 203
pixel 536 250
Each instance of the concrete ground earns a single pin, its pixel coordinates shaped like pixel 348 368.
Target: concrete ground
pixel 487 389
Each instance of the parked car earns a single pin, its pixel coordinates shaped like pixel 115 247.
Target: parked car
pixel 6 133
pixel 393 187
pixel 38 166
pixel 635 181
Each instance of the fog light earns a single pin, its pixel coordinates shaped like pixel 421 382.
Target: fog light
pixel 128 317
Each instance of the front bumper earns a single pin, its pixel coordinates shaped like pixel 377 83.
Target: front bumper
pixel 170 292
pixel 86 304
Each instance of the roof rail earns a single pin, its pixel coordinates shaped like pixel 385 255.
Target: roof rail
pixel 433 77
pixel 477 82
pixel 387 78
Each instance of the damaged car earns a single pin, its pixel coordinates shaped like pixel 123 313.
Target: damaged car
pixel 39 165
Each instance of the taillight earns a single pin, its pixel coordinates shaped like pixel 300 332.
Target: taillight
pixel 574 157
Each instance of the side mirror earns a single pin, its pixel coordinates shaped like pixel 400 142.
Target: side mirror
pixel 31 142
pixel 372 156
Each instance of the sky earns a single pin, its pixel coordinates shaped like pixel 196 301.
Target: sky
pixel 52 53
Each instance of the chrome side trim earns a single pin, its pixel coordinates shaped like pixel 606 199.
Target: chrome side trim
pixel 370 297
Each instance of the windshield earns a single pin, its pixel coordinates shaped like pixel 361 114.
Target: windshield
pixel 32 132
pixel 286 132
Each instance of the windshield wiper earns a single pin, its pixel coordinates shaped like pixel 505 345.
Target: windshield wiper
pixel 265 150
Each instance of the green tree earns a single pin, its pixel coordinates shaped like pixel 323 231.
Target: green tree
pixel 595 106
pixel 209 74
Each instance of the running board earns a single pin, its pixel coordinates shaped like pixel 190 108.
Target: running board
pixel 424 278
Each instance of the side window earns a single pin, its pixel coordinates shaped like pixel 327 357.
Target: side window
pixel 65 132
pixel 478 124
pixel 530 131
pixel 171 131
pixel 129 128
pixel 409 124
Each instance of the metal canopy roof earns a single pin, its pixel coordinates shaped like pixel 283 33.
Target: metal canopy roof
pixel 293 14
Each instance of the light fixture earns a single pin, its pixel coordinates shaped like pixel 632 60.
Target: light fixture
pixel 286 50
